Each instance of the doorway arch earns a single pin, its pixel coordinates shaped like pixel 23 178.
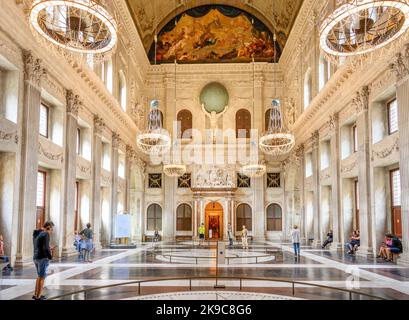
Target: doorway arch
pixel 214 221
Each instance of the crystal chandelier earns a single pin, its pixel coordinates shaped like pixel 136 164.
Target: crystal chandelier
pixel 155 140
pixel 174 169
pixel 75 28
pixel 357 27
pixel 277 141
pixel 254 170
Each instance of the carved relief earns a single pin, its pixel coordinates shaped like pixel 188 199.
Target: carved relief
pixel 401 64
pixel 50 156
pixel 349 167
pixel 33 70
pixel 361 100
pixel 9 136
pixel 384 153
pixel 73 103
pixel 99 125
pixel 214 177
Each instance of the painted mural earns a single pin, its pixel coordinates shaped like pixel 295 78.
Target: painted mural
pixel 210 34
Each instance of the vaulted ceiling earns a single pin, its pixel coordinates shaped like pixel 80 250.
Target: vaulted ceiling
pixel 150 16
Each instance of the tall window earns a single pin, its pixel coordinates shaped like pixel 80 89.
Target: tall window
pixel 244 217
pixel 243 124
pixel 41 198
pixel 184 218
pixel 355 138
pixel 110 76
pixel 274 218
pixel 121 166
pixel 396 202
pixel 308 165
pixel 356 191
pixel 324 72
pixel 76 207
pixel 122 90
pixel 185 119
pixel 154 217
pixel 78 141
pixel 44 120
pixel 393 124
pixel 307 88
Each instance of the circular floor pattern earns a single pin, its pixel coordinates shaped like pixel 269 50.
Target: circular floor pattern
pixel 193 256
pixel 209 295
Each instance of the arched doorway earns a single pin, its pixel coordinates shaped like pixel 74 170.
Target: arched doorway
pixel 214 221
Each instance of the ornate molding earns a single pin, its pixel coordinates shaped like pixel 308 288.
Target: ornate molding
pixel 99 125
pixel 116 140
pixel 4 136
pixel 50 156
pixel 33 70
pixel 349 167
pixel 333 122
pixel 384 153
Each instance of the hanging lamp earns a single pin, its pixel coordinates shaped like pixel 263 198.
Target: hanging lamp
pixel 75 28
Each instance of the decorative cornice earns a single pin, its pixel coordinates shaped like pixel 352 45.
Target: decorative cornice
pixel 33 70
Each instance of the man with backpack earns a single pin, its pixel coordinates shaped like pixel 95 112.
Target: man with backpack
pixel 42 256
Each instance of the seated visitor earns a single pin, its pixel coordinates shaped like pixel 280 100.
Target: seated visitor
pixel 394 248
pixel 330 239
pixel 156 236
pixel 3 258
pixel 387 242
pixel 354 243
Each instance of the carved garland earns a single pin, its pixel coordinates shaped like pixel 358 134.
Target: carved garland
pixel 385 152
pixel 9 136
pixel 348 168
pixel 50 156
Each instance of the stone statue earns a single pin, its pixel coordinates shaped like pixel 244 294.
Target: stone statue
pixel 214 118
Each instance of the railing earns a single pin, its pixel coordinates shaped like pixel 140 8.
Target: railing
pixel 85 292
pixel 197 259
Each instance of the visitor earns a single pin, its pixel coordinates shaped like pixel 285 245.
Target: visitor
pixel 296 240
pixel 354 242
pixel 156 236
pixel 330 239
pixel 387 242
pixel 230 234
pixel 87 244
pixel 77 242
pixel 3 258
pixel 202 231
pixel 394 248
pixel 244 238
pixel 42 256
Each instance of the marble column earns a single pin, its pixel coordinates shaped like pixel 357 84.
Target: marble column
pixel 259 224
pixel 33 74
pixel 336 213
pixel 361 103
pixel 70 170
pixel 300 155
pixel 195 217
pixel 96 216
pixel 401 68
pixel 169 212
pixel 317 228
pixel 116 140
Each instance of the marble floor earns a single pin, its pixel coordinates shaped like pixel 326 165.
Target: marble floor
pixel 174 261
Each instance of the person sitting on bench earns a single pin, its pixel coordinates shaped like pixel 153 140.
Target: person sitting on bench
pixel 394 248
pixel 330 239
pixel 387 242
pixel 3 257
pixel 354 243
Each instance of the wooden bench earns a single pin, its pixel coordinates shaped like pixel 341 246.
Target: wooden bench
pixel 151 238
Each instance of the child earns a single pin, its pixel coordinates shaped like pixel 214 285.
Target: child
pixel 3 258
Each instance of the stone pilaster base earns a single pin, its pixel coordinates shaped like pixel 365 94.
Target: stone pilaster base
pixel 317 244
pixel 335 246
pixel 68 252
pixel 23 261
pixel 365 251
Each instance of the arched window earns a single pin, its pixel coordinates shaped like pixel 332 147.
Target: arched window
pixel 267 117
pixel 154 217
pixel 243 123
pixel 244 217
pixel 307 88
pixel 274 218
pixel 324 72
pixel 184 218
pixel 110 76
pixel 186 123
pixel 122 90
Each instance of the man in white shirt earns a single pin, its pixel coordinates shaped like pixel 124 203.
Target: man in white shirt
pixel 295 237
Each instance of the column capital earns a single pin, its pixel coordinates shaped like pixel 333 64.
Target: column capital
pixel 33 70
pixel 99 125
pixel 361 100
pixel 116 140
pixel 73 103
pixel 333 122
pixel 315 139
pixel 400 65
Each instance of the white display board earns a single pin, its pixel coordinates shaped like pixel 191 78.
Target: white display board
pixel 123 226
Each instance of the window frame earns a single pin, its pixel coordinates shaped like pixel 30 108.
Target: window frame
pixel 158 209
pixel 40 222
pixel 186 220
pixel 47 108
pixel 355 141
pixel 274 219
pixel 244 220
pixel 388 107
